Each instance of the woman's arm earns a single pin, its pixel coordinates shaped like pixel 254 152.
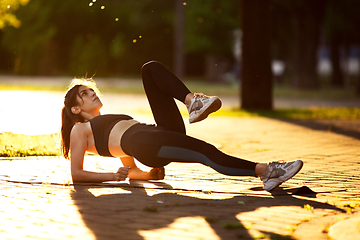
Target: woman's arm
pixel 136 173
pixel 78 145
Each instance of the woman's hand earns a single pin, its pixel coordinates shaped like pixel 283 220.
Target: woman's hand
pixel 122 173
pixel 136 174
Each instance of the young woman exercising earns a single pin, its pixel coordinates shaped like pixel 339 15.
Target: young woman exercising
pixel 116 135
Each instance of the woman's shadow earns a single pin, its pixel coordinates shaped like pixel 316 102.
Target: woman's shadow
pixel 129 212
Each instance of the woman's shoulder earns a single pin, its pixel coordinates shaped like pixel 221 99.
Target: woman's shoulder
pixel 81 128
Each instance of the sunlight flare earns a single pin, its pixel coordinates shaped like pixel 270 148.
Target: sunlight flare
pixel 30 112
pixel 194 226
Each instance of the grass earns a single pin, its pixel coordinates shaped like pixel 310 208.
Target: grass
pixel 297 113
pixel 19 145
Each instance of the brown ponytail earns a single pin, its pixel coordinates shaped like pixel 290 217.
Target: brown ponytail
pixel 69 119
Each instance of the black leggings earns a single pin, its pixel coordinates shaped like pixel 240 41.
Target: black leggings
pixel 157 146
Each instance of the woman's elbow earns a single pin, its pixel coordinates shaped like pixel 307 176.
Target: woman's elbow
pixel 76 176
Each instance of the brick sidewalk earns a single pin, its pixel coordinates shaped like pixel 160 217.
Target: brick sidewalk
pixel 194 202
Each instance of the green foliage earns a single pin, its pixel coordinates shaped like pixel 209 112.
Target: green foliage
pixel 31 43
pixel 209 24
pixel 86 55
pixel 7 18
pixel 75 37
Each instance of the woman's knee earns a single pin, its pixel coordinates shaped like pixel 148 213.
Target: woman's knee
pixel 149 65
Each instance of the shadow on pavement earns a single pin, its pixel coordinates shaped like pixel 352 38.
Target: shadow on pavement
pixel 299 191
pixel 350 128
pixel 129 213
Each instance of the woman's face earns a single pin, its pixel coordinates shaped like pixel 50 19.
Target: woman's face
pixel 88 101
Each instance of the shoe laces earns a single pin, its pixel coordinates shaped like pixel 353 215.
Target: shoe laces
pixel 197 102
pixel 276 163
pixel 199 95
pixel 273 170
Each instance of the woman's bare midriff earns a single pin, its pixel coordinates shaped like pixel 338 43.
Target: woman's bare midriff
pixel 116 135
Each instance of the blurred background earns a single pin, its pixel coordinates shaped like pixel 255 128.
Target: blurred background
pixel 302 44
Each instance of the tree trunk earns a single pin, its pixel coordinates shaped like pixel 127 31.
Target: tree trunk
pixel 179 38
pixel 256 85
pixel 307 22
pixel 358 87
pixel 337 78
pixel 358 77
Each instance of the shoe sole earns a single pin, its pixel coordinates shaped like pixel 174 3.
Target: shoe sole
pixel 302 164
pixel 214 106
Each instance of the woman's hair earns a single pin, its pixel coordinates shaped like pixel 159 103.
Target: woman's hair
pixel 68 118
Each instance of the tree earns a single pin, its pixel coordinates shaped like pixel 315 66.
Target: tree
pixel 307 20
pixel 209 26
pixel 112 38
pixel 179 38
pixel 341 30
pixel 256 86
pixel 104 37
pixel 32 50
pixel 7 18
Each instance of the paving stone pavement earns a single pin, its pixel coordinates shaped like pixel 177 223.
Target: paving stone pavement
pixel 194 202
pixel 38 200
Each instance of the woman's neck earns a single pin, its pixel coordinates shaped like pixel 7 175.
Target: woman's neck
pixel 89 116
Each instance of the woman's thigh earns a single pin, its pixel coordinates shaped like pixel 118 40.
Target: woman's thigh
pixel 156 147
pixel 162 87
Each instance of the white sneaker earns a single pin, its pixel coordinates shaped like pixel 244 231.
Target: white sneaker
pixel 201 106
pixel 279 172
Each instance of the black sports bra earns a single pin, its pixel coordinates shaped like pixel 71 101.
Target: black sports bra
pixel 101 127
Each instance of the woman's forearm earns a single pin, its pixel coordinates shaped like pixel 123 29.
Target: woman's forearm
pixel 93 177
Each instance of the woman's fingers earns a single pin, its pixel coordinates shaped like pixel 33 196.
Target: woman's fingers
pixel 123 169
pixel 122 173
pixel 119 177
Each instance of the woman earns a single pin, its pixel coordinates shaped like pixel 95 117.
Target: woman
pixel 85 129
